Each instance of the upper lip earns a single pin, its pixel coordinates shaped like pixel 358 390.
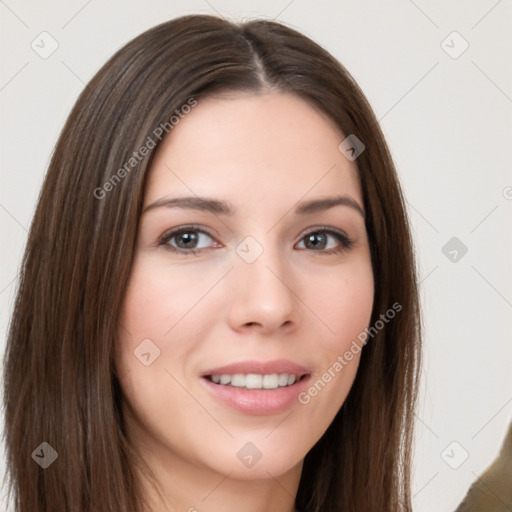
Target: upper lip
pixel 278 366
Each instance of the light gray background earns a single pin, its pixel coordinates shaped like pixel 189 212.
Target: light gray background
pixel 447 120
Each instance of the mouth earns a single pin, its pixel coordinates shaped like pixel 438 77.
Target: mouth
pixel 255 387
pixel 255 380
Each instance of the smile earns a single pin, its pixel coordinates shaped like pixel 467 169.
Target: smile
pixel 255 381
pixel 260 389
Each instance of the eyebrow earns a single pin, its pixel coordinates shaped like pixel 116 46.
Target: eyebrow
pixel 219 207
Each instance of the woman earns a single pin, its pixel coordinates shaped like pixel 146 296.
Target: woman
pixel 218 305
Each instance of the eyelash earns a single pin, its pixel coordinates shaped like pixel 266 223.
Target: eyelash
pixel 346 242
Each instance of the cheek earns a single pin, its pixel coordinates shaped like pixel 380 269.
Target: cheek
pixel 159 298
pixel 150 339
pixel 156 339
pixel 344 304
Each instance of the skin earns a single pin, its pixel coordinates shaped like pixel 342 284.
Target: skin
pixel 263 153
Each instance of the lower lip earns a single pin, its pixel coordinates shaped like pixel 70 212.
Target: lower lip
pixel 257 401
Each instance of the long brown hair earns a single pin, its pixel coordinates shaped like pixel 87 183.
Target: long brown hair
pixel 60 383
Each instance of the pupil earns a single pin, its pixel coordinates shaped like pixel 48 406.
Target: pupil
pixel 312 237
pixel 188 237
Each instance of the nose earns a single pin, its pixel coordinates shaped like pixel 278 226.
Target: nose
pixel 263 295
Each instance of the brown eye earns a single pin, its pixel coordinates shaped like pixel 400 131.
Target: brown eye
pixel 318 241
pixel 185 240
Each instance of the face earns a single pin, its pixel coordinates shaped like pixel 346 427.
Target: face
pixel 239 305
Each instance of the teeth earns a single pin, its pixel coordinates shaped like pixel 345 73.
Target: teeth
pixel 238 380
pixel 255 381
pixel 252 381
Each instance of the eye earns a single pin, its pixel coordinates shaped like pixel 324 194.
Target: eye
pixel 186 240
pixel 318 240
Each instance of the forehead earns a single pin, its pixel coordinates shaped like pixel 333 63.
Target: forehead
pixel 246 146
